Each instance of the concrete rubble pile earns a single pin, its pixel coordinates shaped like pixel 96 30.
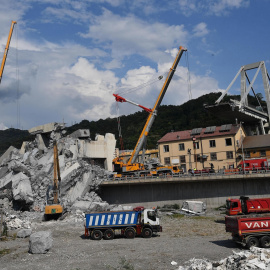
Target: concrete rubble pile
pixel 255 258
pixel 26 174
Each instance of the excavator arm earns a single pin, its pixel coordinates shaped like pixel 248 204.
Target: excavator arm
pixel 6 49
pixel 56 175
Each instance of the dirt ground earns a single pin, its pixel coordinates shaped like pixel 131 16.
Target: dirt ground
pixel 182 238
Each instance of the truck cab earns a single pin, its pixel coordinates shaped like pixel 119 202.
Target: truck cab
pixel 149 216
pixel 233 207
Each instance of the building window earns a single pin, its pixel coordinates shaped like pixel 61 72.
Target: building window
pixel 263 153
pixel 228 141
pixel 213 156
pixel 212 143
pixel 166 148
pixel 196 145
pixel 229 154
pixel 247 154
pixel 167 161
pixel 181 147
pixel 196 157
pixel 182 159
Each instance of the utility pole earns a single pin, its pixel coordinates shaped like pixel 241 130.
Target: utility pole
pixel 194 146
pixel 189 156
pixel 242 146
pixel 1 222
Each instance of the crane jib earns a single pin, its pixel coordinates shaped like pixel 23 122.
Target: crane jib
pixel 152 115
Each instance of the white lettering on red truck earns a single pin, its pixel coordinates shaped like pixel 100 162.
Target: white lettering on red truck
pixel 257 224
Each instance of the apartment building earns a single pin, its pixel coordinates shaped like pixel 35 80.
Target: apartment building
pixel 199 147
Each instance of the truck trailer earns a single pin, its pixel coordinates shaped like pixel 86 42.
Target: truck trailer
pixel 249 231
pixel 245 206
pixel 139 221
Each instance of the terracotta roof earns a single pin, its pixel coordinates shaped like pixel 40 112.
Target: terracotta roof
pixel 259 141
pixel 187 134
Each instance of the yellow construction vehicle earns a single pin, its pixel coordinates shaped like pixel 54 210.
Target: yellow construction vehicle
pixel 54 209
pixel 6 49
pixel 133 167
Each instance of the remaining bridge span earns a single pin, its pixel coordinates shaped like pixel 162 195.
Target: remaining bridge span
pixel 213 189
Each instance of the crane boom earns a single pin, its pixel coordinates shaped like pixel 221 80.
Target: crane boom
pixel 152 114
pixel 133 167
pixel 6 49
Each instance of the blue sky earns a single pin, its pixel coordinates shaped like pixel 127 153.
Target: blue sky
pixel 67 58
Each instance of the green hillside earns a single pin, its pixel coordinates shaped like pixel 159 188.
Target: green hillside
pixel 186 116
pixel 189 115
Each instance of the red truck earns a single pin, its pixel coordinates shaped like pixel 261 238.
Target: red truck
pixel 254 164
pixel 249 231
pixel 245 205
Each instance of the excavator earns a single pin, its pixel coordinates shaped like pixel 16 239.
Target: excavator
pixel 132 167
pixel 53 208
pixel 6 49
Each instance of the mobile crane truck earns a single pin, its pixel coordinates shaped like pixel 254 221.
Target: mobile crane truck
pixel 245 206
pixel 133 167
pixel 139 221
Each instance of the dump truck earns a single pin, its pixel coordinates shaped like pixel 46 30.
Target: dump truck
pixel 139 221
pixel 249 231
pixel 245 206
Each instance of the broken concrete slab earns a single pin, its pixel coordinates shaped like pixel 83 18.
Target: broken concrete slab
pixel 16 166
pixel 6 182
pixel 21 188
pixel 46 128
pixel 40 242
pixel 80 134
pixel 87 206
pixel 42 142
pixel 255 258
pixel 24 233
pixel 7 156
pixel 80 188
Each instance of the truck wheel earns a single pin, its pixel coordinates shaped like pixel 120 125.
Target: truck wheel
pixel 147 233
pixel 130 233
pixel 96 235
pixel 252 242
pixel 108 234
pixel 265 241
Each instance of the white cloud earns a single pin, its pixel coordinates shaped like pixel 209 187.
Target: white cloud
pixel 200 30
pixel 130 35
pixel 65 79
pixel 217 7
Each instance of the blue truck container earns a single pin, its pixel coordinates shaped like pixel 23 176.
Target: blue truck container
pixel 140 221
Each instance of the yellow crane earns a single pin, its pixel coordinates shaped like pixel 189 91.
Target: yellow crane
pixel 54 209
pixel 6 49
pixel 132 167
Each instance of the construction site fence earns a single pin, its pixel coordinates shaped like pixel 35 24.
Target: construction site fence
pixel 196 174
